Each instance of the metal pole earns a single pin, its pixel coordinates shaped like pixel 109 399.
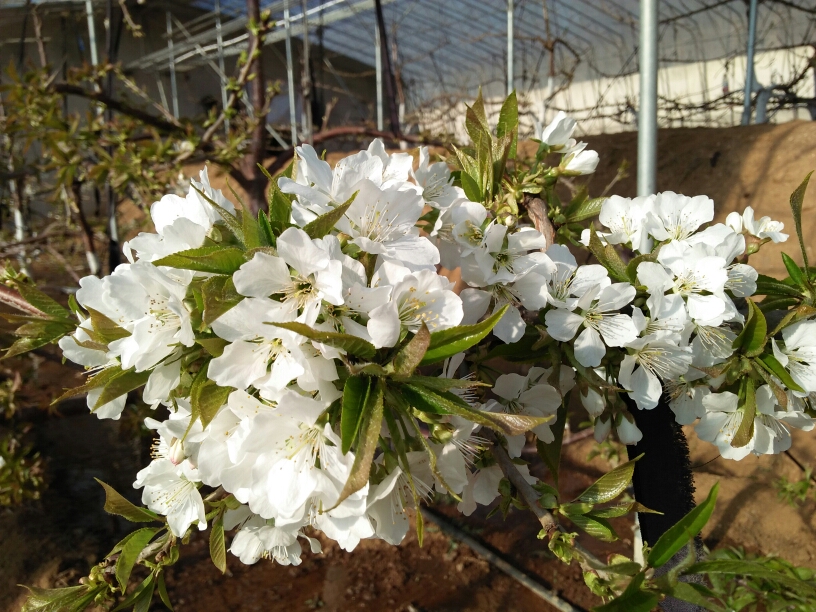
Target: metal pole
pixel 647 116
pixel 510 62
pixel 91 32
pixel 306 77
pixel 173 88
pixel 749 63
pixel 114 254
pixel 390 81
pixel 379 71
pixel 290 72
pixel 220 41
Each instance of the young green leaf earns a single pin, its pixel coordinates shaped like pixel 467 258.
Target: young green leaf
pixel 586 209
pixel 267 235
pixel 611 484
pixel 752 569
pixel 608 257
pixel 439 383
pixel 449 342
pixel 36 334
pixel 410 356
pixel 121 384
pixel 41 301
pixel 683 532
pixel 216 259
pixel 767 285
pixel 794 272
pixel 116 504
pixel 230 220
pixel 356 394
pixel 772 365
pixel 350 344
pixel 130 553
pixel 748 405
pixel 595 526
pixel 634 601
pixel 688 592
pixel 508 122
pixel 251 230
pixel 472 190
pixel 219 295
pixel 206 397
pixel 367 444
pixel 94 382
pixel 437 403
pixel 752 337
pixel 796 200
pixel 66 599
pixel 106 329
pixel 218 549
pixel 551 453
pixel 325 223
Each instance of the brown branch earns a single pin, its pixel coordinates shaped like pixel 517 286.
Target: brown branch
pixel 530 496
pixel 67 89
pixel 16 301
pixel 38 36
pixel 63 262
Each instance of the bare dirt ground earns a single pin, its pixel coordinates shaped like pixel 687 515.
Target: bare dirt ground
pixel 54 541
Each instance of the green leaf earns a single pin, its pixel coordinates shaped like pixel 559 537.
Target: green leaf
pixel 687 592
pixel 268 237
pixel 683 532
pixel 608 257
pixel 367 444
pixel 796 200
pixel 595 526
pixel 130 553
pixel 219 296
pixel 140 598
pixel 163 592
pixel 770 303
pixel 635 601
pixel 37 334
pixel 94 382
pixel 449 342
pixel 767 285
pixel 508 122
pixel 41 301
pixel 66 599
pixel 436 403
pixel 230 220
pixel 410 356
pixel 215 259
pixel 752 337
pixel 214 345
pixel 772 364
pixel 206 397
pixel 584 210
pixel 346 342
pixel 356 394
pixel 105 328
pixel 611 484
pixel 632 266
pixel 121 384
pixel 116 504
pixel 752 569
pixel 748 405
pixel 795 272
pixel 251 230
pixel 325 223
pixel 622 510
pixel 218 549
pixel 551 453
pixel 439 383
pixel 472 190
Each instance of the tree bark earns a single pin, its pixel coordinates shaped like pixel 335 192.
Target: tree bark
pixel 85 229
pixel 255 182
pixel 663 481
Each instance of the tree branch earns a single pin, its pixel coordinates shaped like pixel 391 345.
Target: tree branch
pixel 67 89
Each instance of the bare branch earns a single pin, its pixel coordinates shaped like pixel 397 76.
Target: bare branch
pixel 11 298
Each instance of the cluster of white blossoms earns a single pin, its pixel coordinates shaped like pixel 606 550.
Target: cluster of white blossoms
pixel 254 346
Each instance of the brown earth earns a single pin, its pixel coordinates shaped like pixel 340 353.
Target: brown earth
pixel 54 541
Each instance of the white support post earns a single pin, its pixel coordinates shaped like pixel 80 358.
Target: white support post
pixel 379 71
pixel 91 33
pixel 220 41
pixel 510 58
pixel 173 87
pixel 290 72
pixel 647 115
pixel 749 63
pixel 306 84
